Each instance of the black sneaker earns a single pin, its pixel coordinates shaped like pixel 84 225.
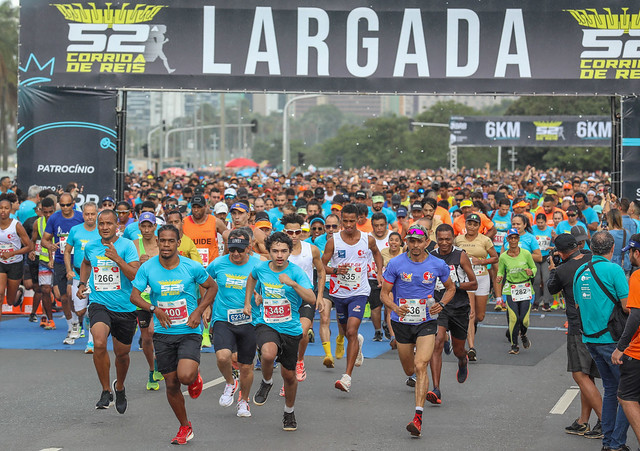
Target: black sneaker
pixel 385 328
pixel 471 353
pixel 288 421
pixel 411 381
pixel 106 398
pixel 596 432
pixel 514 349
pixel 262 394
pixel 447 344
pixel 33 318
pixel 19 297
pixel 377 336
pixel 546 308
pixel 526 343
pixel 577 428
pixel 121 398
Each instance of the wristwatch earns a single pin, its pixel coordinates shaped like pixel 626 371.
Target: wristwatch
pixel 82 283
pixel 457 284
pixel 441 304
pixel 152 308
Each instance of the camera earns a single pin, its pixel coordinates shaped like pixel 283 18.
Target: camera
pixel 554 256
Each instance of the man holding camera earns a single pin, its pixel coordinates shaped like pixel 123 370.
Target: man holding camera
pixel 563 264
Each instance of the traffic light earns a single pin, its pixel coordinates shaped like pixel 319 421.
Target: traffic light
pixel 164 125
pixel 254 125
pixel 300 159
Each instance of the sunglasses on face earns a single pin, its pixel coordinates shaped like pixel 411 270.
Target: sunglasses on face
pixel 122 212
pixel 293 232
pixel 236 249
pixel 331 226
pixel 316 228
pixel 415 232
pixel 66 205
pixel 572 215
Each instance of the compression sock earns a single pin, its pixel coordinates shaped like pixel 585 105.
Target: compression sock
pixel 326 345
pixel 340 339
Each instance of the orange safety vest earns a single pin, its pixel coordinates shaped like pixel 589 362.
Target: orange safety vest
pixel 204 236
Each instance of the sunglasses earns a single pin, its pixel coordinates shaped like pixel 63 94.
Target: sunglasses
pixel 316 228
pixel 293 232
pixel 415 232
pixel 66 205
pixel 331 226
pixel 122 212
pixel 236 249
pixel 571 216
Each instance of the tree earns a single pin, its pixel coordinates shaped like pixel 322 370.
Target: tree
pixel 8 75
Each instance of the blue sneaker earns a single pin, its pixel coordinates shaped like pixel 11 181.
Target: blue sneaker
pixel 447 344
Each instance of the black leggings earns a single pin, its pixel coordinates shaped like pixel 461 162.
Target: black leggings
pixel 517 318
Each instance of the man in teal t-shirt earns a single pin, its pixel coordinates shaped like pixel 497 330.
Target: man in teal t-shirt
pixel 283 286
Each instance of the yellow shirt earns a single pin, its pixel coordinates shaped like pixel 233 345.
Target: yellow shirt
pixel 188 249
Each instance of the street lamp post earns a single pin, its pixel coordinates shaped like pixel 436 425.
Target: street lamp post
pixel 286 152
pixel 152 131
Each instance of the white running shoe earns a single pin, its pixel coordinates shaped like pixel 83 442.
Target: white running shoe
pixel 89 348
pixel 69 340
pixel 344 383
pixel 227 396
pixel 360 357
pixel 75 331
pixel 243 409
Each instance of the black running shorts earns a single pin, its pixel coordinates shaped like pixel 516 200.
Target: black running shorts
pixel 374 297
pixel 12 270
pixel 122 325
pixel 170 349
pixel 409 333
pixel 307 310
pixel 236 338
pixel 455 320
pixel 287 345
pixel 144 318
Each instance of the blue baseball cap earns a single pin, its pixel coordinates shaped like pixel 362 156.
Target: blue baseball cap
pixel 401 212
pixel 239 206
pixel 148 217
pixel 631 244
pixel 107 199
pixel 512 231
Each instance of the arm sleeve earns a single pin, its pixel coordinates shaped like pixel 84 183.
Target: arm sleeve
pixel 633 322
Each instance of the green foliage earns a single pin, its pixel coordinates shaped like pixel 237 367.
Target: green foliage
pixel 8 74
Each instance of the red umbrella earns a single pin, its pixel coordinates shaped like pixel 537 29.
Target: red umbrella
pixel 178 172
pixel 241 163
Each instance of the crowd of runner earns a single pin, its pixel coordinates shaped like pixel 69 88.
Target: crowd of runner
pixel 244 263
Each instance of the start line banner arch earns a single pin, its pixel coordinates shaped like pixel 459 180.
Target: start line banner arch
pixel 559 47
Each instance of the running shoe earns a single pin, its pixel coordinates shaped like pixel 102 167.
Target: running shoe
pixel 75 331
pixel 415 426
pixel 555 305
pixel 344 383
pixel 447 343
pixel 19 296
pixel 69 340
pixel 312 336
pixel 121 398
pixel 82 333
pixel 577 428
pixel 434 396
pixel 472 355
pixel 328 361
pixel 534 308
pixel 185 433
pixel 289 422
pixel 89 348
pixel 43 321
pixel 545 308
pixel 281 394
pixel 377 335
pixel 195 389
pixel 262 394
pixel 157 376
pixel 463 371
pixel 498 307
pixel 33 318
pixel 226 399
pixel 106 398
pixel 385 328
pixel 206 340
pixel 596 432
pixel 411 381
pixel 339 348
pixel 151 383
pixel 514 349
pixel 51 325
pixel 242 409
pixel 526 343
pixel 301 373
pixel 360 357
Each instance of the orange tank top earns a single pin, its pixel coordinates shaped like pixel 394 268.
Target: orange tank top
pixel 204 236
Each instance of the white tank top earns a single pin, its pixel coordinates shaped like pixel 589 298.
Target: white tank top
pixel 354 283
pixel 9 240
pixel 304 259
pixel 382 243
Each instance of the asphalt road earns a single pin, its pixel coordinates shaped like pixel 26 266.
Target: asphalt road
pixel 47 401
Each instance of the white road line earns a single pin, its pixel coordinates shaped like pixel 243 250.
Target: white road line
pixel 565 401
pixel 50 449
pixel 496 326
pixel 210 384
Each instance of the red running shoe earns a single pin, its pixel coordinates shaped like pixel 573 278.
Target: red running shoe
pixel 195 389
pixel 415 426
pixel 185 433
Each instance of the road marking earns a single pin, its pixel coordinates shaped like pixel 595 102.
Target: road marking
pixel 496 326
pixel 565 401
pixel 210 384
pixel 50 449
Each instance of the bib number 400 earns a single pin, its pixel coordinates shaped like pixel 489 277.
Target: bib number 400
pixel 95 39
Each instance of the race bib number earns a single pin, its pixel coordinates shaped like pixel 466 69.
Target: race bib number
pixel 276 310
pixel 498 238
pixel 62 243
pixel 478 270
pixel 544 242
pixel 521 292
pixel 4 247
pixel 204 255
pixel 236 317
pixel 106 278
pixel 38 247
pixel 418 310
pixel 351 279
pixel 453 276
pixel 177 311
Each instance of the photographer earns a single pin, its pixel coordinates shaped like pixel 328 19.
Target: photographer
pixel 564 261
